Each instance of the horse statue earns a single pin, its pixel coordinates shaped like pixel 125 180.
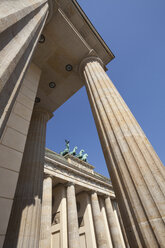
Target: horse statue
pixel 84 157
pixel 80 155
pixel 74 151
pixel 66 150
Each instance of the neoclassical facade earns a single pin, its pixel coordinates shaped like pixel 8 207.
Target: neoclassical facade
pixel 79 207
pixel 49 50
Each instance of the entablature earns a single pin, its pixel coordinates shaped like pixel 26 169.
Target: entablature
pixel 59 167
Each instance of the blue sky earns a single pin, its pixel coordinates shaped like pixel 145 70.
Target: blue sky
pixel 135 32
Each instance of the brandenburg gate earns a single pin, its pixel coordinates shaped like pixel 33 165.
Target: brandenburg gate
pixel 49 50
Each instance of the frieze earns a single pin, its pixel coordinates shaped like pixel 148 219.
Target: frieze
pixel 75 176
pixel 57 158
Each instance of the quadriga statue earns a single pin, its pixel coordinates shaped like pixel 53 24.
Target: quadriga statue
pixel 84 158
pixel 66 150
pixel 74 151
pixel 80 155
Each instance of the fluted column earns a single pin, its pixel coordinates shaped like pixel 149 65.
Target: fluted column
pixel 106 226
pixel 115 234
pixel 46 213
pixel 21 23
pixel 73 231
pixel 24 224
pixel 98 222
pixel 136 172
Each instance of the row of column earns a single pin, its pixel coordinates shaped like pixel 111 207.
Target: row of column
pixel 99 225
pixel 73 229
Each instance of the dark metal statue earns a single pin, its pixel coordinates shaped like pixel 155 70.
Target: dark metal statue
pixel 66 150
pixel 73 153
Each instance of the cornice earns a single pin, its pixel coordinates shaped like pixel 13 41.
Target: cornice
pixel 90 25
pixel 69 168
pixel 57 157
pixel 83 25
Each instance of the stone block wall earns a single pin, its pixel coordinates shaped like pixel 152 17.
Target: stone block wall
pixel 12 144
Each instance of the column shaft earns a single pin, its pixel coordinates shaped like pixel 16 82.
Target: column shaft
pixel 98 222
pixel 46 213
pixel 64 235
pixel 115 234
pixel 21 23
pixel 24 224
pixel 106 225
pixel 136 172
pixel 73 232
pixel 91 231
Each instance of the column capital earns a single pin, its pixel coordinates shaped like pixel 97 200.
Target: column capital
pixel 89 59
pixel 38 111
pixel 69 184
pixel 106 196
pixel 93 192
pixel 46 175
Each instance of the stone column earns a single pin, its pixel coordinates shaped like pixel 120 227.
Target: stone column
pixel 115 234
pixel 46 213
pixel 91 231
pixel 98 222
pixel 120 221
pixel 73 230
pixel 63 216
pixel 106 226
pixel 24 224
pixel 21 24
pixel 136 172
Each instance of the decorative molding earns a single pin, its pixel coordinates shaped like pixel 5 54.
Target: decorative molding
pixel 58 158
pixel 76 178
pixel 61 162
pixel 76 172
